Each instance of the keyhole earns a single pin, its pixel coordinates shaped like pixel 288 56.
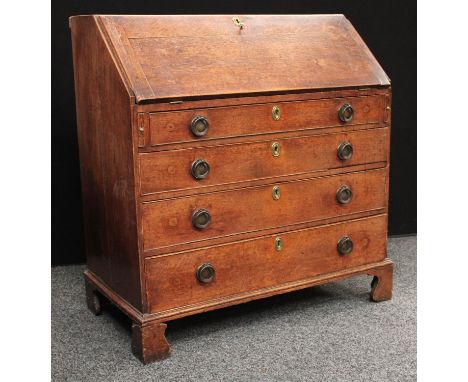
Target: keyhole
pixel 276 113
pixel 276 192
pixel 275 149
pixel 278 244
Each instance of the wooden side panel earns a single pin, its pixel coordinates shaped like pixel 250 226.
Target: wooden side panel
pixel 254 264
pixel 168 222
pixel 224 122
pixel 234 163
pixel 107 168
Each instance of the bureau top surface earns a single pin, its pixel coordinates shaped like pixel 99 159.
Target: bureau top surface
pixel 191 57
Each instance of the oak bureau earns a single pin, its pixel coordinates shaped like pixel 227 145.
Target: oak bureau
pixel 227 158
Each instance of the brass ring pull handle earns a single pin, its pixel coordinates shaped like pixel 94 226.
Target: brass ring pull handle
pixel 344 195
pixel 345 245
pixel 201 218
pixel 200 169
pixel 346 113
pixel 199 126
pixel 205 273
pixel 345 151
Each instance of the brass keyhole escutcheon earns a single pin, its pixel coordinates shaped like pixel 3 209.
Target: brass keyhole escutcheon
pixel 237 22
pixel 276 113
pixel 276 192
pixel 275 149
pixel 278 243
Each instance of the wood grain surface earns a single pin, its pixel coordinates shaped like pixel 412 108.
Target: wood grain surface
pixel 224 122
pixel 236 163
pixel 139 82
pixel 155 52
pixel 254 264
pixel 168 222
pixel 104 120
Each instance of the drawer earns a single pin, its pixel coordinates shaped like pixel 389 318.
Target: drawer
pixel 198 168
pixel 233 121
pixel 250 265
pixel 170 221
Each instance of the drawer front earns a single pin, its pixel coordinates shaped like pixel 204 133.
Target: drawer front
pixel 170 221
pixel 254 264
pixel 186 168
pixel 175 127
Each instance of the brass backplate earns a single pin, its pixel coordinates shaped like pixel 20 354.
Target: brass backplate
pixel 278 243
pixel 275 149
pixel 276 113
pixel 276 192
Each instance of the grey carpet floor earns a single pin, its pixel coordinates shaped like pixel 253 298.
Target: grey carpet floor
pixel 325 333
